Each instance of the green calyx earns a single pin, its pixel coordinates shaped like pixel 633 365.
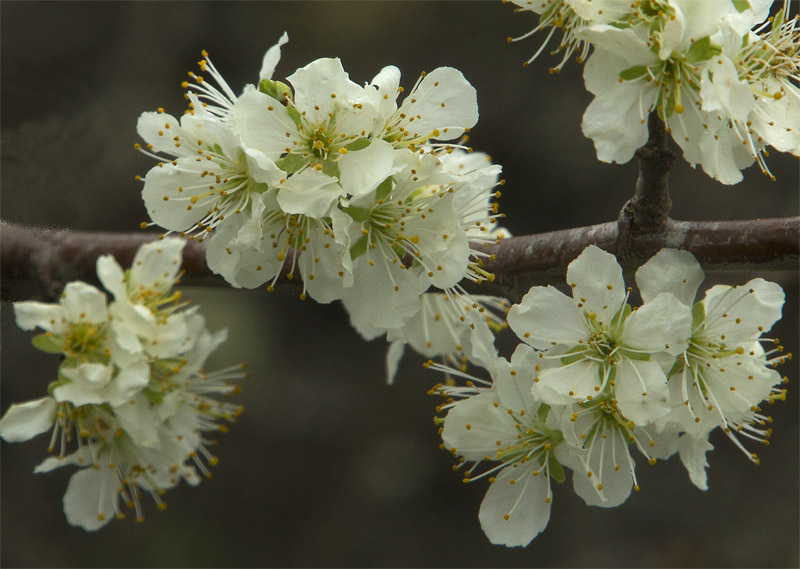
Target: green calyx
pixel 278 90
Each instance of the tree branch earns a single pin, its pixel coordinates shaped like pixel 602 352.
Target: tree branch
pixel 37 263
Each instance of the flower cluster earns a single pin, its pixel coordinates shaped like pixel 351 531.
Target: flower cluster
pixel 596 378
pixel 131 393
pixel 370 199
pixel 725 82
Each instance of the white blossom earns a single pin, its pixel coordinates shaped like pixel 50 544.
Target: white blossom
pixel 501 421
pixel 607 351
pixel 724 376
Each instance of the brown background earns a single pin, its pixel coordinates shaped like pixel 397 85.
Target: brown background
pixel 328 466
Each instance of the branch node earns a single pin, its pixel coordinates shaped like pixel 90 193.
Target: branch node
pixel 644 219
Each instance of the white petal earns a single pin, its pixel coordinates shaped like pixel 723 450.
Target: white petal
pixel 178 184
pixel 719 160
pixel 363 170
pixel 156 265
pixel 151 127
pixel 663 324
pixel 49 317
pixel 443 100
pixel 131 380
pixel 272 57
pixel 726 93
pixel 545 315
pixel 90 501
pixel 393 356
pixel 526 502
pixel 373 299
pixel 310 193
pixel 603 470
pixel 327 270
pixel 24 421
pixel 262 169
pixel 84 303
pixel 81 457
pixel 473 426
pixel 86 385
pixel 641 391
pixel 262 124
pixel 514 390
pixel 673 271
pixel 623 43
pixel 693 455
pixel 616 120
pixel 316 82
pixel 597 284
pixel 567 383
pixel 111 276
pixel 742 313
pixel 139 421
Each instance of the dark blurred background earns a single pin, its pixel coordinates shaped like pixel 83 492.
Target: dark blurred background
pixel 328 466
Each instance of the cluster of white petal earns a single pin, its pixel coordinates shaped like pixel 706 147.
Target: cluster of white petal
pixel 725 82
pixel 596 379
pixel 359 194
pixel 131 393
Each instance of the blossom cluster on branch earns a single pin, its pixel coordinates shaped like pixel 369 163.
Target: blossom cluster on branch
pixel 723 78
pixel 596 379
pixel 363 196
pixel 131 392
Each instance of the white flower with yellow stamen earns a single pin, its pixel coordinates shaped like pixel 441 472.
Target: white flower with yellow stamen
pixel 570 17
pixel 500 421
pixel 254 251
pixel 406 236
pixel 441 328
pixel 753 84
pixel 724 376
pixel 442 105
pixel 131 391
pixel 323 121
pixel 598 441
pixel 606 351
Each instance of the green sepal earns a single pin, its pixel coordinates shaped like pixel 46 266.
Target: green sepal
pixel 358 144
pixel 359 248
pixel 278 90
pixel 741 5
pixel 330 168
pixel 638 356
pixel 577 355
pixel 677 367
pixel 612 374
pixel 670 106
pixel 554 469
pixel 46 343
pixel 291 163
pixel 702 50
pixel 698 315
pixel 295 116
pixel 358 213
pixel 544 410
pixel 633 72
pixel 621 315
pixel 154 397
pixel 384 189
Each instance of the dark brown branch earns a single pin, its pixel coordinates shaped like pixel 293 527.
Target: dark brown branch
pixel 37 263
pixel 749 245
pixel 647 213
